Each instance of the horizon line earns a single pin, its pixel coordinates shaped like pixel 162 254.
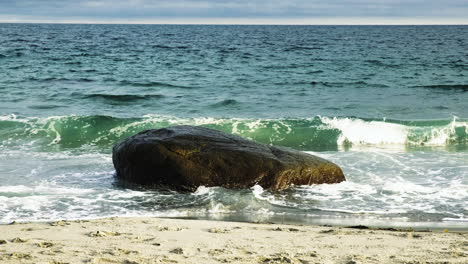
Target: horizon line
pixel 235 24
pixel 306 21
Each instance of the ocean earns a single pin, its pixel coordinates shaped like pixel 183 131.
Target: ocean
pixel 389 104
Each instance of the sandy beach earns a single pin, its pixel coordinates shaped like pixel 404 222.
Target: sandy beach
pixel 156 240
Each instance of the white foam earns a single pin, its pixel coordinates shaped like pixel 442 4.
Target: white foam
pixel 44 188
pixel 406 188
pixel 218 208
pixel 360 132
pixel 449 219
pixel 11 117
pixel 15 189
pixel 260 194
pixel 325 192
pixel 357 131
pixel 202 190
pixel 445 134
pixel 257 190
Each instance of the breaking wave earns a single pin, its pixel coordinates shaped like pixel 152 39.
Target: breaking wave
pixel 315 134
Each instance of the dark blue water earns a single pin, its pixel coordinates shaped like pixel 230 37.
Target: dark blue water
pixel 389 104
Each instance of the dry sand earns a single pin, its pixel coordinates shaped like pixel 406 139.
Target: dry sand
pixel 155 240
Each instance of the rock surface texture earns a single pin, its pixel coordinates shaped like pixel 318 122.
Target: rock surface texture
pixel 185 157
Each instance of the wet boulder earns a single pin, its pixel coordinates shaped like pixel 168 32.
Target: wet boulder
pixel 185 157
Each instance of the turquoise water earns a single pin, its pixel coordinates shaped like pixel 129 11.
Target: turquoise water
pixel 389 104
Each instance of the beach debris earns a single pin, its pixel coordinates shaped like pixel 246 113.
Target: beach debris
pixel 280 258
pixel 18 240
pixel 231 259
pixel 126 251
pixel 2 241
pixel 169 228
pixel 103 234
pixel 389 229
pixel 104 260
pixel 96 234
pixel 60 223
pixel 111 233
pixel 358 227
pixel 307 254
pixel 219 230
pixel 130 262
pixel 44 244
pixel 458 254
pixel 47 252
pixel 19 255
pixel 167 260
pixel 58 262
pixel 261 222
pixel 327 231
pixel 81 221
pixel 218 251
pixel 290 229
pixel 413 235
pixel 178 251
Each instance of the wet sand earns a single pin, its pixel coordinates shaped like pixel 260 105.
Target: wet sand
pixel 156 240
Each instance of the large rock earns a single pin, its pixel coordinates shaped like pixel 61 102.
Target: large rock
pixel 185 157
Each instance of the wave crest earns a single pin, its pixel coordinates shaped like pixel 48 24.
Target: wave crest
pixel 313 134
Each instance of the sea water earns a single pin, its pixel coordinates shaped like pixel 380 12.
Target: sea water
pixel 389 104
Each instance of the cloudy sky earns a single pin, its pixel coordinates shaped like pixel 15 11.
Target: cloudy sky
pixel 237 11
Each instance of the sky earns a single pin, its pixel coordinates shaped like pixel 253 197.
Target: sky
pixel 236 11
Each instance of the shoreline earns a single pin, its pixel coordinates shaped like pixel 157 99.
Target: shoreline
pixel 371 224
pixel 171 240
